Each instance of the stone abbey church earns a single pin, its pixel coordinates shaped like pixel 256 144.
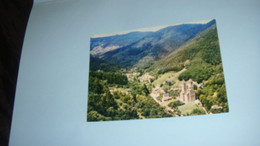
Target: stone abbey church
pixel 187 94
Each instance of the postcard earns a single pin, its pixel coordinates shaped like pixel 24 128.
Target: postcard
pixel 157 72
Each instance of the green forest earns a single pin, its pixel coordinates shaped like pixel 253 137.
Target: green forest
pixel 117 93
pixel 202 61
pixel 104 106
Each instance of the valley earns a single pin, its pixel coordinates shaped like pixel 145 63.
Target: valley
pixel 175 71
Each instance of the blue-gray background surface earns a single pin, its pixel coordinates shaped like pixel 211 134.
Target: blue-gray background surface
pixel 51 96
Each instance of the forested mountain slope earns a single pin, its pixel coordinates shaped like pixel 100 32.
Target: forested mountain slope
pixel 142 48
pixel 201 60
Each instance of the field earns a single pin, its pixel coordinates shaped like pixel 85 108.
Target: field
pixel 187 109
pixel 171 76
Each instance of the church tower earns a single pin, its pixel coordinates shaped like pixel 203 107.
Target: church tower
pixel 183 86
pixel 190 84
pixel 183 91
pixel 187 94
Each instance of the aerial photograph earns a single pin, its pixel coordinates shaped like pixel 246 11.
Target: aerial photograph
pixel 156 72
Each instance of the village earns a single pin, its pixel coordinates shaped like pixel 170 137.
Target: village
pixel 147 78
pixel 176 98
pixel 184 95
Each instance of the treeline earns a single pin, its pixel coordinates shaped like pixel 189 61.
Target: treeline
pixel 206 67
pixel 105 108
pixel 202 52
pixel 110 77
pixel 202 61
pixel 214 93
pixel 198 71
pixel 104 105
pixel 175 68
pixel 206 48
pixel 204 56
pixel 99 64
pixel 144 105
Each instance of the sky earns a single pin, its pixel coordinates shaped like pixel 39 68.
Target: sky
pixel 148 29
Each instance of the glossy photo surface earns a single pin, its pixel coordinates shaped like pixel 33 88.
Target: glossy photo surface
pixel 158 72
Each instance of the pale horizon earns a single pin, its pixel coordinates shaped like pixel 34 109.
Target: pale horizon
pixel 148 29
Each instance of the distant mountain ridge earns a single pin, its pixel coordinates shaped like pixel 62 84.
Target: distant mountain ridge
pixel 101 45
pixel 142 48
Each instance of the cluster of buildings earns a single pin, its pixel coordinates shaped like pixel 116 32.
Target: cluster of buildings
pixel 146 78
pixel 130 76
pixel 157 92
pixel 187 94
pixel 166 97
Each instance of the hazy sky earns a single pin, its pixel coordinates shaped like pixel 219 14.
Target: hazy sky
pixel 151 29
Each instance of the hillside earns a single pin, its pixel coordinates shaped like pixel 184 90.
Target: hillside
pixel 141 49
pixel 204 47
pixel 99 64
pixel 101 45
pixel 199 60
pixel 141 77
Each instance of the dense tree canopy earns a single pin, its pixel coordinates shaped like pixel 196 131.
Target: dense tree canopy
pixel 104 105
pixel 113 97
